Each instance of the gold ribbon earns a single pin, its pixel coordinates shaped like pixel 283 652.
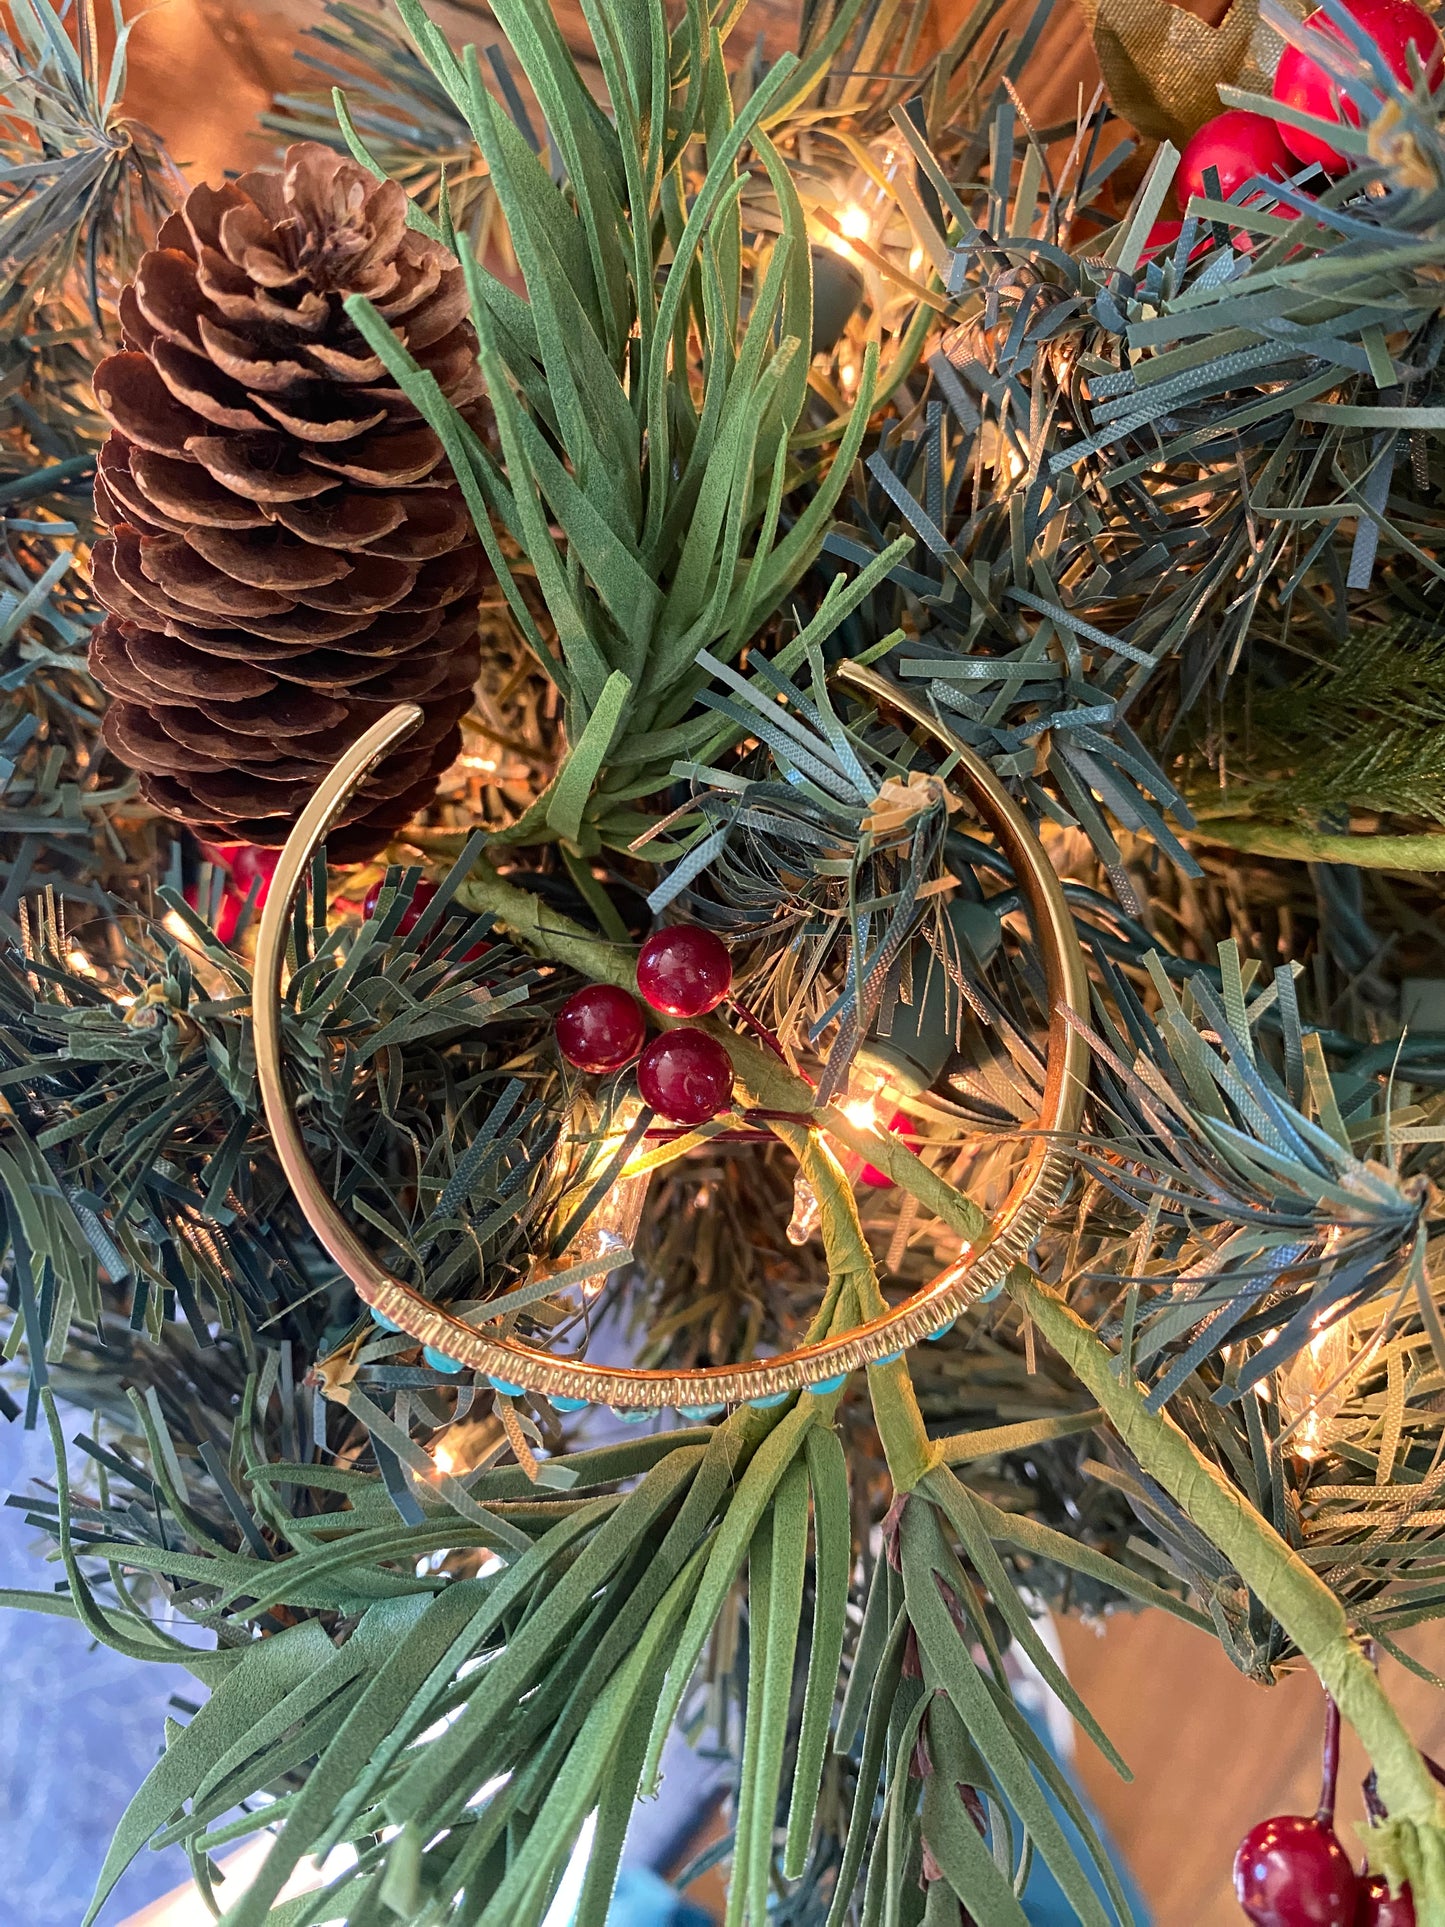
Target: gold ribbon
pixel 1163 68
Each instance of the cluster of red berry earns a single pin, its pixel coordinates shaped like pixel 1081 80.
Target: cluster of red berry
pixel 684 1075
pixel 1242 146
pixel 1291 1871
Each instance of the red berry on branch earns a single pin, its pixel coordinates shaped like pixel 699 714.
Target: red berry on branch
pixel 1293 1872
pixel 1238 146
pixel 1379 1908
pixel 684 971
pixel 685 1076
pixel 1395 26
pixel 421 896
pixel 245 865
pixel 600 1029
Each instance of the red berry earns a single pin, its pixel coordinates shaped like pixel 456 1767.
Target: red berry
pixel 686 1076
pixel 1299 81
pixel 1239 146
pixel 1378 1908
pixel 421 896
pixel 1293 1872
pixel 600 1029
pixel 685 971
pixel 247 862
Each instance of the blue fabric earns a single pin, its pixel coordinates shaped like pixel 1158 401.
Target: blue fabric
pixel 643 1899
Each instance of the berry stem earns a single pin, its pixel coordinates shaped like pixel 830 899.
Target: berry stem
pixel 756 1024
pixel 1285 1586
pixel 1330 1764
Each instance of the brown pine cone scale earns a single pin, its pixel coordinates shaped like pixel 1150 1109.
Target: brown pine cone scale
pixel 289 554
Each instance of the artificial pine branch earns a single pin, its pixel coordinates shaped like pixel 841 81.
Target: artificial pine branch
pixel 1076 517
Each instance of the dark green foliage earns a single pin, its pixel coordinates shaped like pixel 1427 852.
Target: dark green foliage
pixel 135 1106
pixel 1361 729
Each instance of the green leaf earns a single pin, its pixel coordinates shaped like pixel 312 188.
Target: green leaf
pixel 774 1621
pixel 956 1843
pixel 832 1565
pixel 950 1668
pixel 756 1488
pixel 269 1672
pixel 968 1523
pixel 883 1689
pixel 569 793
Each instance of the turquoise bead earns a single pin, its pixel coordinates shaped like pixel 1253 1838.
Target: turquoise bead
pixel 942 1332
pixel 825 1385
pixel 888 1358
pixel 441 1361
pixel 771 1399
pixel 506 1386
pixel 700 1411
pixel 570 1404
pixel 380 1318
pixel 994 1291
pixel 633 1414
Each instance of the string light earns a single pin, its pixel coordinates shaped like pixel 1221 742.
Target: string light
pixel 1314 1385
pixel 862 1112
pixel 860 1108
pixel 444 1459
pixel 854 222
pixel 604 1243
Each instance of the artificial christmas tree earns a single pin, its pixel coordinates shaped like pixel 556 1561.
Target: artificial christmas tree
pixel 908 668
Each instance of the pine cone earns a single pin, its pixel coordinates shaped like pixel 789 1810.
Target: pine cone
pixel 289 554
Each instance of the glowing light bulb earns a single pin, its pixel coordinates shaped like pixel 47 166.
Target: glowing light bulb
pixel 604 1243
pixel 1314 1385
pixel 854 222
pixel 862 1112
pixel 915 261
pixel 445 1460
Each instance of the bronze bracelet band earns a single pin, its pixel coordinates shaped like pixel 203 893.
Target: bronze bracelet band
pixel 511 1366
